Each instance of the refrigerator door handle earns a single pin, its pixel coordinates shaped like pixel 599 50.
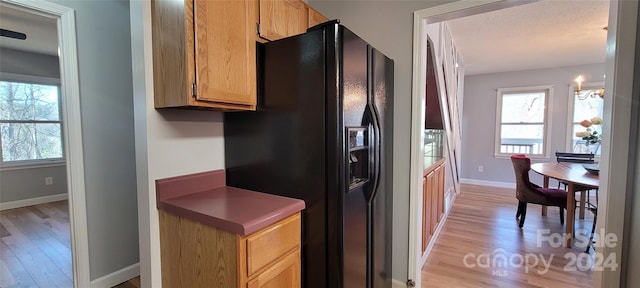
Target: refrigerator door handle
pixel 375 122
pixel 376 151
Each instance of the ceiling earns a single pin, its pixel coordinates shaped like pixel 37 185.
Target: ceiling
pixel 543 34
pixel 42 35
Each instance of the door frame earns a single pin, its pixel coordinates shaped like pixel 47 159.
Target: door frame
pixel 72 129
pixel 420 20
pixel 619 67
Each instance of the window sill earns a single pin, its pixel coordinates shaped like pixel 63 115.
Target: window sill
pixel 32 165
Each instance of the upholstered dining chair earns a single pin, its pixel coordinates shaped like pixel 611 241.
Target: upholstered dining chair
pixel 527 192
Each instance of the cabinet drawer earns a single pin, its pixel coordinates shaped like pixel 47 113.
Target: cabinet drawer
pixel 285 273
pixel 271 243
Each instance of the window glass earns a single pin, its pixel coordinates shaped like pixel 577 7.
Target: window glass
pixel 586 106
pixel 522 125
pixel 30 124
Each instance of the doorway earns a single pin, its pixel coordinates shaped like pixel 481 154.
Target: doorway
pixel 63 20
pixel 421 18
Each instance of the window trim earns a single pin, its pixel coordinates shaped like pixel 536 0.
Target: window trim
pixel 547 123
pixel 39 80
pixel 570 111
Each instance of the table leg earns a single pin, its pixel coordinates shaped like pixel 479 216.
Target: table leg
pixel 583 198
pixel 571 214
pixel 545 184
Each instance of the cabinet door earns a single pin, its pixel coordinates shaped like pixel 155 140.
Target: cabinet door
pixel 225 51
pixel 284 273
pixel 440 190
pixel 433 191
pixel 314 17
pixel 282 18
pixel 426 214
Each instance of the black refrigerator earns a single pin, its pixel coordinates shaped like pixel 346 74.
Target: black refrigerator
pixel 323 134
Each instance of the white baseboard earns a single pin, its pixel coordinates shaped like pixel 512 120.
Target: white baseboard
pixel 398 284
pixel 488 183
pixel 117 277
pixel 448 199
pixel 33 201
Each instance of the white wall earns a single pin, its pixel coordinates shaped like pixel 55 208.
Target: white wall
pixel 104 59
pixel 479 117
pixel 388 26
pixel 168 143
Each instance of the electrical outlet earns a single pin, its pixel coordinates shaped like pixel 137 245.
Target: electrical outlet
pixel 480 168
pixel 48 180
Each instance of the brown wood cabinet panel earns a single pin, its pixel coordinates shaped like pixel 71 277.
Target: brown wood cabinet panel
pixel 433 201
pixel 314 17
pixel 211 44
pixel 282 18
pixel 440 200
pixel 196 255
pixel 260 246
pixel 426 214
pixel 433 190
pixel 225 51
pixel 285 273
pixel 170 27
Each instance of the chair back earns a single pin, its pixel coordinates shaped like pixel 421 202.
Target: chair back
pixel 575 157
pixel 521 167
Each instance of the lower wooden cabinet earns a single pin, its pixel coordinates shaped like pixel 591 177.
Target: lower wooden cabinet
pixel 284 273
pixel 432 201
pixel 197 255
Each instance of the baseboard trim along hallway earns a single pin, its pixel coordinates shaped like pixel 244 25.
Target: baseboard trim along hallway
pixel 33 201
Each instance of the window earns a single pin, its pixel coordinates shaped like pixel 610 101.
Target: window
pixel 585 108
pixel 522 121
pixel 30 123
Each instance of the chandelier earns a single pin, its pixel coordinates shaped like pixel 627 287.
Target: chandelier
pixel 584 94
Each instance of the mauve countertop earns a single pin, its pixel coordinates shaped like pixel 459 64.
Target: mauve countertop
pixel 205 198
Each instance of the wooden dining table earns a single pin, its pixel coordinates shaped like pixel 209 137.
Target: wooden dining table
pixel 573 174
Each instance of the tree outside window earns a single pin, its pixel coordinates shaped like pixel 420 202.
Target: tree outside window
pixel 522 121
pixel 30 123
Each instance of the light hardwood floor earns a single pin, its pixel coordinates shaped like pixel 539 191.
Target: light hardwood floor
pixel 482 227
pixel 132 283
pixel 35 250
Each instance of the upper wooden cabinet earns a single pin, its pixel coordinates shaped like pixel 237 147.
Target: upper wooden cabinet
pixel 204 53
pixel 314 17
pixel 282 18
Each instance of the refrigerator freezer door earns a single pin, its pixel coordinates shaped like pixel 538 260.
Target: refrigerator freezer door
pixel 354 112
pixel 381 90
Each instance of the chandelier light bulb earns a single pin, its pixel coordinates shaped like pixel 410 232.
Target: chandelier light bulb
pixel 579 80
